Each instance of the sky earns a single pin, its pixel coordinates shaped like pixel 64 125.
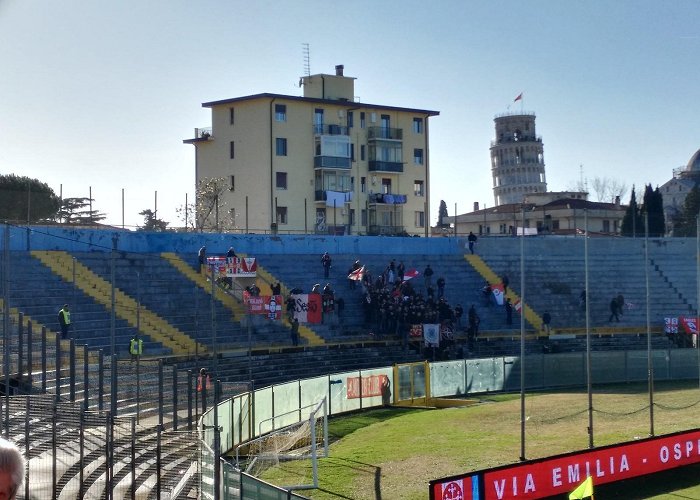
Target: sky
pixel 97 96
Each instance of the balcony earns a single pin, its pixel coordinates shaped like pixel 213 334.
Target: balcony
pixel 332 162
pixel 322 195
pixel 200 135
pixel 387 199
pixel 375 230
pixel 385 166
pixel 321 129
pixel 394 134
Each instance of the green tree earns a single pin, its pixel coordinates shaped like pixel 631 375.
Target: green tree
pixel 653 207
pixel 685 223
pixel 23 199
pixel 151 223
pixel 77 211
pixel 442 213
pixel 632 222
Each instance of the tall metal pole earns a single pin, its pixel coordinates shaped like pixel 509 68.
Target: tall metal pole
pixel 522 334
pixel 6 326
pixel 122 208
pixel 650 361
pixel 697 304
pixel 213 322
pixel 138 357
pixel 589 373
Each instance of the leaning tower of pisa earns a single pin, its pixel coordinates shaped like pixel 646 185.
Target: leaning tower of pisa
pixel 517 158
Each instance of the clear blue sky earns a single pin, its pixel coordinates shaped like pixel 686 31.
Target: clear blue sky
pixel 101 94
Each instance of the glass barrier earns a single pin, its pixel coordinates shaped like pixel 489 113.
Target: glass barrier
pixel 339 401
pixel 447 378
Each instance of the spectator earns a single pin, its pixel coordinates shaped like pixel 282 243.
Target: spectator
pixel 620 304
pixel 506 282
pixel 316 288
pixel 135 347
pixel 202 256
pixel 582 300
pixel 440 287
pixel 276 289
pixel 254 290
pixel 614 310
pixel 400 271
pixel 231 253
pixel 12 468
pixel 428 276
pixel 546 320
pixel 472 241
pixel 64 320
pixel 326 262
pixel 459 312
pixel 487 294
pixel 291 307
pixel 509 312
pixel 295 332
pixel 474 321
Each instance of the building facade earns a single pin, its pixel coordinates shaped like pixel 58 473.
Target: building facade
pixel 322 163
pixel 675 191
pixel 562 213
pixel 517 159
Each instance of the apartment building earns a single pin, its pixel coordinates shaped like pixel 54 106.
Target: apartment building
pixel 318 164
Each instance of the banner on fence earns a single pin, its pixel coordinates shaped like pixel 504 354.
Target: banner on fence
pixel 234 267
pixel 431 334
pixel 307 307
pixel 365 387
pixel 269 305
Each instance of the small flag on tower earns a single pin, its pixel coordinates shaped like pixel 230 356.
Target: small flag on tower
pixel 520 96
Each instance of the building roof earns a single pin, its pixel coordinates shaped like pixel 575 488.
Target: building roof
pixel 335 102
pixel 694 163
pixel 562 203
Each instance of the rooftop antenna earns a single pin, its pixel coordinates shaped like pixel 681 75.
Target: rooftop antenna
pixel 307 59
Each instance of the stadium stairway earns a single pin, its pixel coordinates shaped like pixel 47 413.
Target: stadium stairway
pixel 99 289
pixel 266 333
pixel 489 275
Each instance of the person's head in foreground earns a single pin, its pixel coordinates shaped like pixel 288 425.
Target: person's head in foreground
pixel 11 469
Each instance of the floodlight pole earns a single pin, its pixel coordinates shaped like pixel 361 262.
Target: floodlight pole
pixel 589 385
pixel 697 279
pixel 650 361
pixel 522 334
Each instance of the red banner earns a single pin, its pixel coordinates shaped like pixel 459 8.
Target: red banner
pixel 374 385
pixel 234 267
pixel 307 307
pixel 269 305
pixel 563 473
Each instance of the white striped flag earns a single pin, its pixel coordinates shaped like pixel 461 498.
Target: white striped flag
pixel 357 274
pixel 411 273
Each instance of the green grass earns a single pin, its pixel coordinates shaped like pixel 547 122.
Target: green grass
pixel 393 453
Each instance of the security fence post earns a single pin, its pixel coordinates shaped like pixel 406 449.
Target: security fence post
pixel 58 367
pixel 158 460
pixel 100 380
pixel 43 360
pixel 54 448
pixel 86 378
pixel 160 393
pixel 217 443
pixel 71 368
pixel 133 459
pixel 113 386
pixel 20 344
pixel 30 358
pixel 82 455
pixel 27 412
pixel 174 397
pixel 189 400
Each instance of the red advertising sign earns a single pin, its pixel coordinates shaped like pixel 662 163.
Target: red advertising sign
pixel 563 473
pixel 374 385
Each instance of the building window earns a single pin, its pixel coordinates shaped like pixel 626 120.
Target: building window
pixel 362 119
pixel 281 146
pixel 230 116
pixel 363 217
pixel 281 215
pixel 418 188
pixel 420 219
pixel 352 152
pixel 318 120
pixel 232 186
pixel 232 150
pixel 363 184
pixel 351 119
pixel 281 112
pixel 352 217
pixel 606 226
pixel 281 180
pixel 418 125
pixel 418 156
pixel 386 185
pixel 362 152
